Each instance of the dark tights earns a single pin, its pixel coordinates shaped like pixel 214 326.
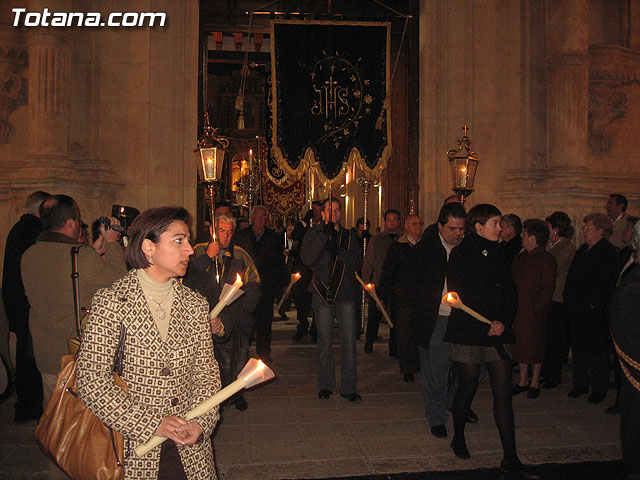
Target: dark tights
pixel 501 377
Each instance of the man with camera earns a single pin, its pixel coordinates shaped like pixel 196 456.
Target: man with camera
pixel 334 255
pixel 46 274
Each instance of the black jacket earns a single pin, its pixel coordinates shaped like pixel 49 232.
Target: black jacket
pixel 590 283
pixel 21 236
pixel 625 315
pixel 315 254
pixel 269 259
pixel 480 273
pixel 422 278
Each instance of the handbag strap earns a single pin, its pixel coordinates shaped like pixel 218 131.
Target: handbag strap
pixel 118 363
pixel 76 288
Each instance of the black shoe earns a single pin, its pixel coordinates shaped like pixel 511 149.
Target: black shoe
pixel 283 314
pixel 517 470
pixel 533 393
pixel 551 384
pixel 352 397
pixel 439 431
pixel 241 404
pixel 612 410
pixel 576 392
pixel 460 449
pixel 298 336
pixel 393 355
pixel 517 389
pixel 596 397
pixel 408 377
pixel 471 417
pixel 368 347
pixel 324 394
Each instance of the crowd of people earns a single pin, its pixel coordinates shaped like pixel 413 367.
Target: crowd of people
pixel 540 296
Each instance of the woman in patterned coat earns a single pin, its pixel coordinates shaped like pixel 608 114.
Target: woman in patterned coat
pixel 168 361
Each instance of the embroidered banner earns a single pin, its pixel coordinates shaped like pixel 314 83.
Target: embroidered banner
pixel 329 97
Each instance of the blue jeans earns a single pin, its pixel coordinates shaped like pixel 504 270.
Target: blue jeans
pixel 434 368
pixel 345 313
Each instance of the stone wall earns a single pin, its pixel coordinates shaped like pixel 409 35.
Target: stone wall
pixel 553 117
pixel 106 115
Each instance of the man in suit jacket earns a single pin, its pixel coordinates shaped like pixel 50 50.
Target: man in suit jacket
pixel 372 269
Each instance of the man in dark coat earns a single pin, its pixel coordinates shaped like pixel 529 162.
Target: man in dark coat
pixel 424 279
pixel 232 329
pixel 371 271
pixel 269 259
pixel 392 294
pixel 510 239
pixel 590 282
pixel 28 382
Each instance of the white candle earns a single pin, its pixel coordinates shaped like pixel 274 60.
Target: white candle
pixel 208 166
pixel 254 373
pixel 250 160
pixel 452 299
pixel 371 290
pixel 294 278
pixel 225 297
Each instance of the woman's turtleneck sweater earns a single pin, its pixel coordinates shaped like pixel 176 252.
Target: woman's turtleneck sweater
pixel 159 298
pixel 479 271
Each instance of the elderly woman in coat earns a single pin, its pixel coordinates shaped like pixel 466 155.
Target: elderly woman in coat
pixel 169 366
pixel 534 271
pixel 589 285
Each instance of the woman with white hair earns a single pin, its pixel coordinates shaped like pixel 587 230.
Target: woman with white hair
pixel 625 332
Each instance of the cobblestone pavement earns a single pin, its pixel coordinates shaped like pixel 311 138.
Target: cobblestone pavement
pixel 287 432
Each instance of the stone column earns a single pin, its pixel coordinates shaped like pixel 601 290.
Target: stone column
pixel 49 99
pixel 568 84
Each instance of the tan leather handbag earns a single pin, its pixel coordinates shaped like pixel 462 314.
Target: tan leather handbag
pixel 75 439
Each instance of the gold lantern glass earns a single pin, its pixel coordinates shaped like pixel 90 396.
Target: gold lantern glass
pixel 211 164
pixel 464 167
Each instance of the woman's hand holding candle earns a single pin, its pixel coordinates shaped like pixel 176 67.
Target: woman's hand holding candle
pixel 496 329
pixel 253 373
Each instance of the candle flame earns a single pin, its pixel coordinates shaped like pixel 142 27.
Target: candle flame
pixel 297 275
pixel 251 151
pixel 260 365
pixel 449 297
pixel 369 286
pixel 238 278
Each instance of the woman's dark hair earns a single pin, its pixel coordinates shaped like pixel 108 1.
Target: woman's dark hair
pixel 537 228
pixel 150 224
pixel 480 214
pixel 562 222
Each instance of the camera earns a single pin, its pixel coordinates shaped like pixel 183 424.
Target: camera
pixel 107 225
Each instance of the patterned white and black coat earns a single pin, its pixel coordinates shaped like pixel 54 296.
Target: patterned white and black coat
pixel 164 378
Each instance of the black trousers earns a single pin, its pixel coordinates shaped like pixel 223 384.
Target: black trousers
pixel 591 366
pixel 557 342
pixel 264 318
pixel 171 467
pixel 28 381
pixel 406 340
